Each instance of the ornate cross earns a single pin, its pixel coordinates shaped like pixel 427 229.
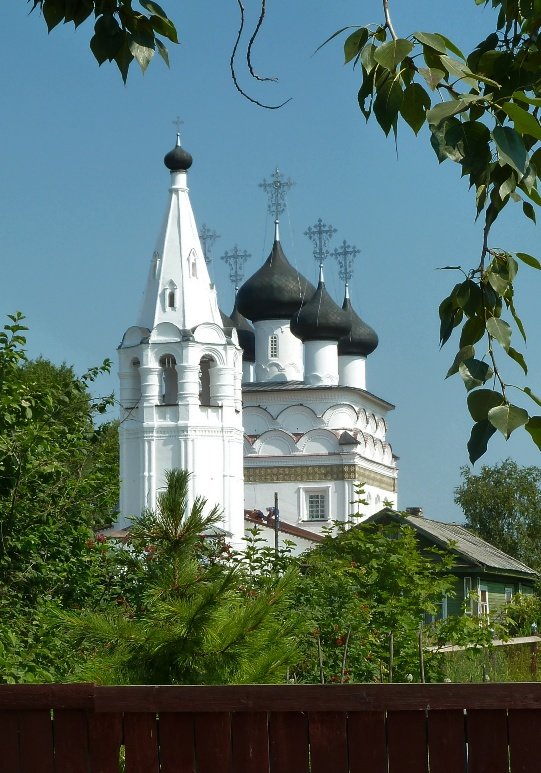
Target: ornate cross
pixel 319 234
pixel 236 259
pixel 276 192
pixel 178 123
pixel 345 257
pixel 207 238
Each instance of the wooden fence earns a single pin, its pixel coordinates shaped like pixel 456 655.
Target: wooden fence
pixel 490 728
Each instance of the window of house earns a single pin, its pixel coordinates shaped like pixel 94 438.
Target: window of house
pixel 467 596
pixel 317 510
pixel 273 346
pixel 483 600
pixel 508 595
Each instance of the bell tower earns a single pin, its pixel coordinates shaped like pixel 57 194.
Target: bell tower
pixel 180 375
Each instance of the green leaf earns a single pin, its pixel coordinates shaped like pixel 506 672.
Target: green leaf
pixel 481 401
pixel 414 106
pixel 367 57
pixel 524 122
pixel 387 104
pixel 518 358
pixel 162 51
pixel 531 395
pixel 53 13
pixel 452 107
pixel 354 43
pixel 432 76
pixel 528 210
pixel 481 433
pixel 431 39
pixel 154 8
pixel 534 428
pixel 507 418
pixel 474 373
pixel 511 148
pixel 389 54
pixel 465 353
pixel 521 96
pixel 334 35
pixel 500 330
pixel 164 27
pixel 473 331
pixel 142 54
pixel 451 46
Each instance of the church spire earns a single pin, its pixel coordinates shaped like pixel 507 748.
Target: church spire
pixel 178 288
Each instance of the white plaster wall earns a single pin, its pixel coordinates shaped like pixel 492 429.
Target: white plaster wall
pixel 352 371
pixel 288 365
pixel 321 363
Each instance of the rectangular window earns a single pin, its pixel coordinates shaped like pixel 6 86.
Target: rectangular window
pixel 273 346
pixel 467 596
pixel 508 595
pixel 316 507
pixel 483 601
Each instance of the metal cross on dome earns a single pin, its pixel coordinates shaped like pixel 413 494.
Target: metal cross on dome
pixel 236 259
pixel 319 234
pixel 207 237
pixel 345 257
pixel 276 192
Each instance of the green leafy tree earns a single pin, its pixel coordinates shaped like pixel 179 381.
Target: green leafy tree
pixel 502 504
pixel 482 110
pixel 121 33
pixel 195 620
pixel 58 483
pixel 359 588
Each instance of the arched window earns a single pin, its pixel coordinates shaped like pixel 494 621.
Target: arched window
pixel 171 299
pixel 169 380
pixel 205 365
pixel 273 346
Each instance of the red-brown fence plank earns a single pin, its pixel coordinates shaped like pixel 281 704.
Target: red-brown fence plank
pixel 250 742
pixel 141 743
pixel 9 741
pixel 367 744
pixel 105 740
pixel 447 741
pixel 71 741
pixel 524 740
pixel 213 742
pixel 177 743
pixel 288 742
pixel 36 751
pixel 407 742
pixel 486 731
pixel 328 742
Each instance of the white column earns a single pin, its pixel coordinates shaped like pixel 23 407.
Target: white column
pixel 321 362
pixel 352 371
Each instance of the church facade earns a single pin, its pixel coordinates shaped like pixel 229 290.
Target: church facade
pixel 269 400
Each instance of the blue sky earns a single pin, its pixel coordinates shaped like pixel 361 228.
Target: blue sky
pixel 84 190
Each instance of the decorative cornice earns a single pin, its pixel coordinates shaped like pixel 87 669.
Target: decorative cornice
pixel 320 473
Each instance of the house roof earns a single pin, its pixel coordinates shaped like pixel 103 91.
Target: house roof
pixel 283 527
pixel 467 545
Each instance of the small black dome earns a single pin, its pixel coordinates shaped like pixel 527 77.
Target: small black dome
pixel 275 291
pixel 245 333
pixel 362 339
pixel 321 319
pixel 178 159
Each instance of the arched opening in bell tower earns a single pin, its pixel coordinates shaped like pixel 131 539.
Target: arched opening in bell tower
pixel 205 364
pixel 169 379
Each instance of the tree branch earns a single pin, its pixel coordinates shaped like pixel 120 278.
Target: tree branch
pixel 388 21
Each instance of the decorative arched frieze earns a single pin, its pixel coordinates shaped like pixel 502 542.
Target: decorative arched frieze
pixel 134 336
pixel 340 416
pixel 257 420
pixel 165 332
pixel 318 441
pixel 209 333
pixel 298 418
pixel 275 442
pixel 214 354
pixel 248 447
pixel 362 419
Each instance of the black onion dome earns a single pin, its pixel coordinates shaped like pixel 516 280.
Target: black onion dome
pixel 321 319
pixel 275 291
pixel 178 159
pixel 362 339
pixel 245 333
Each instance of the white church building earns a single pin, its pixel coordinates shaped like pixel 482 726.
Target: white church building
pixel 272 399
